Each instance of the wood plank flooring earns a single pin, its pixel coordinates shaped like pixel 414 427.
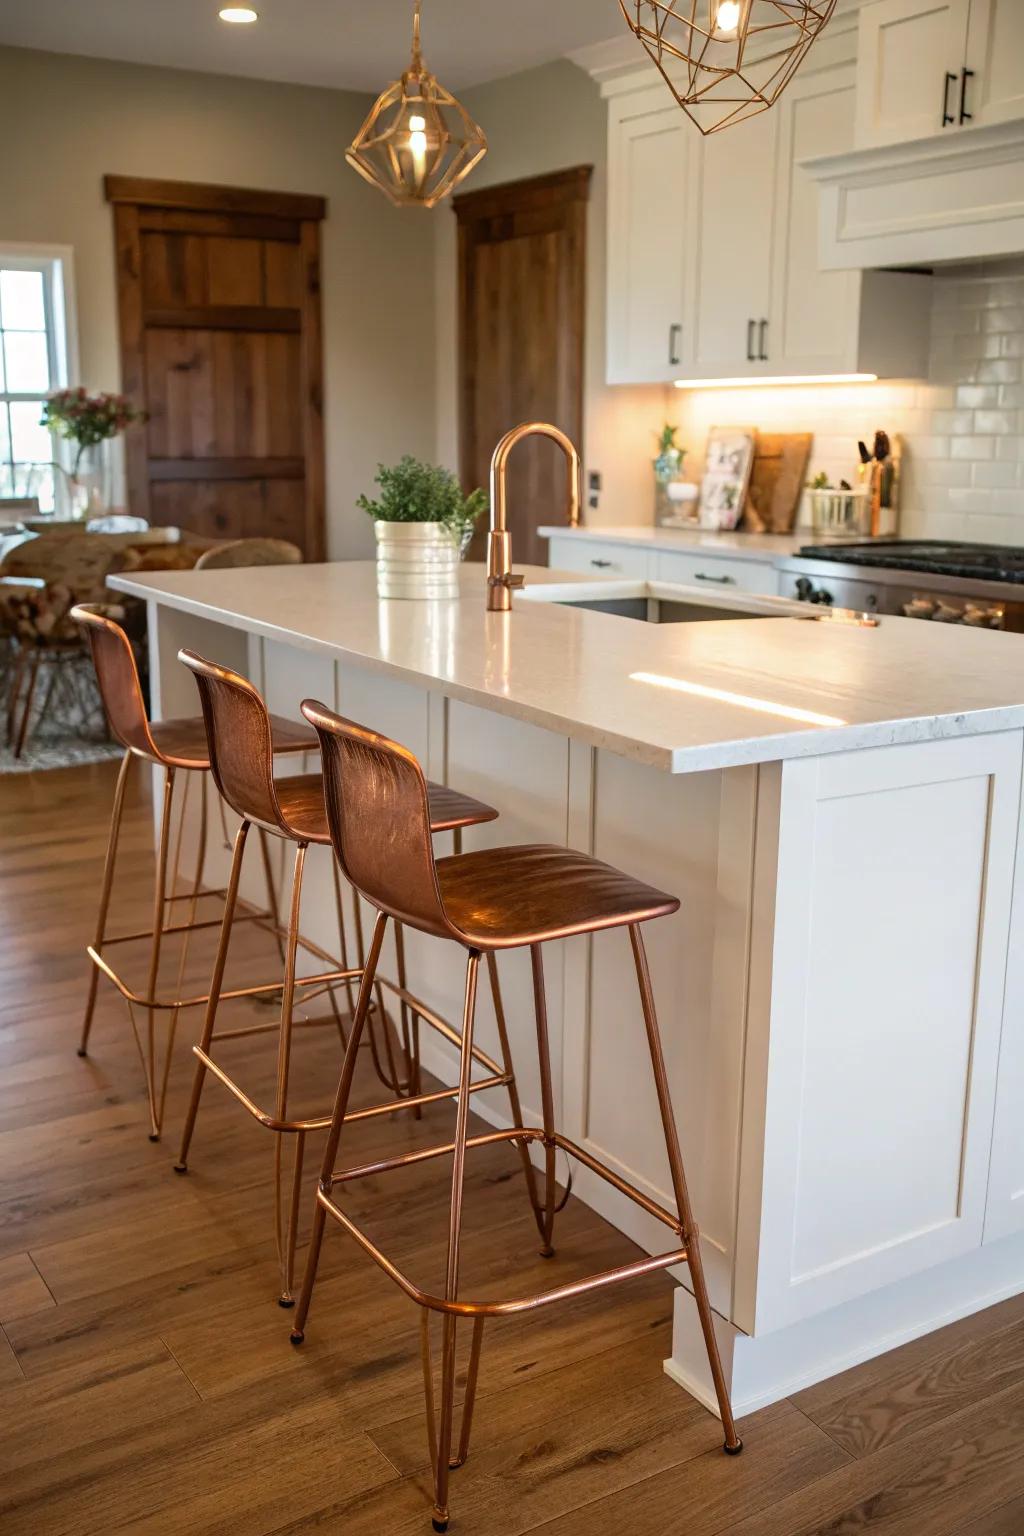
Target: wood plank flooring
pixel 146 1380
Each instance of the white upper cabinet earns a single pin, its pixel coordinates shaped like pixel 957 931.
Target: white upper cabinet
pixel 650 156
pixel 713 256
pixel 931 66
pixel 911 54
pixel 994 83
pixel 735 220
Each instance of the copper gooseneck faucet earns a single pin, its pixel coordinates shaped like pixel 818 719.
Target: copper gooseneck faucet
pixel 500 580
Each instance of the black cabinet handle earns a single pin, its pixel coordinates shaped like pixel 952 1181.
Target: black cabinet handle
pixel 965 75
pixel 762 353
pixel 720 581
pixel 674 335
pixel 601 564
pixel 751 358
pixel 947 116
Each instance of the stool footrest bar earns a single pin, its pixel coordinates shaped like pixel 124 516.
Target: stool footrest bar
pixel 632 1271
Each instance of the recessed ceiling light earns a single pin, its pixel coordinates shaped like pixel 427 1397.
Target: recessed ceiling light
pixel 239 14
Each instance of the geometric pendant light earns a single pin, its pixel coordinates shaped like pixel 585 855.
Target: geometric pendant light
pixel 418 142
pixel 725 60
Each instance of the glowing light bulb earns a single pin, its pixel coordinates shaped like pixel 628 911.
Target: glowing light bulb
pixel 418 145
pixel 240 15
pixel 727 17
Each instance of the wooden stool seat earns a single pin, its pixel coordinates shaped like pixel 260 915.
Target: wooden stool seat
pixel 301 801
pixel 503 898
pixel 182 743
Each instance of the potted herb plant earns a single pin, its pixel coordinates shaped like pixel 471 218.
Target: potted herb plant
pixel 88 421
pixel 423 523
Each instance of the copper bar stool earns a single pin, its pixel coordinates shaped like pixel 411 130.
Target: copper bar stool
pixel 176 747
pixel 485 901
pixel 238 732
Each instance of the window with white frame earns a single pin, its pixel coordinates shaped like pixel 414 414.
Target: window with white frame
pixel 33 363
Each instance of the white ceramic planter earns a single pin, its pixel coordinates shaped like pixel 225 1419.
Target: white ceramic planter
pixel 416 560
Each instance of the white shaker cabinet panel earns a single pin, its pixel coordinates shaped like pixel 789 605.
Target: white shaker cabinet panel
pixel 734 228
pixel 814 313
pixel 882 1063
pixel 1005 1211
pixel 994 90
pixel 910 56
pixel 604 557
pixel 650 152
pixel 712 572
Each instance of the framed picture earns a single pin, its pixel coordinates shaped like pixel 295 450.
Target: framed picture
pixel 727 466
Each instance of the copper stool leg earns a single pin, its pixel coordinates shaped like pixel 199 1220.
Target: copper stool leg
pixel 148 1050
pixel 330 1157
pixel 442 1464
pixel 691 1236
pixel 547 1100
pixel 529 1172
pixel 286 1236
pixel 216 983
pixel 193 903
pixel 105 892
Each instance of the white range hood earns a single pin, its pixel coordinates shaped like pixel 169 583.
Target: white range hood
pixel 944 198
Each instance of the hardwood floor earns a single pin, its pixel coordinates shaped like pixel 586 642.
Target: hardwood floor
pixel 146 1380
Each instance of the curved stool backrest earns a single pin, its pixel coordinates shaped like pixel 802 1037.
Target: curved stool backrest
pixel 239 738
pixel 379 815
pixel 118 679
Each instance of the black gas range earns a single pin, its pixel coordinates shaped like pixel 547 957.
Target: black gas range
pixel 945 581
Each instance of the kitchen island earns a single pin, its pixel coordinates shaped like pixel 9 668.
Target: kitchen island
pixel 841 995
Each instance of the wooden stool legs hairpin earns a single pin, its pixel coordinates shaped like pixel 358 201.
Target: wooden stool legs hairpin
pixel 293 810
pixel 486 901
pixel 178 748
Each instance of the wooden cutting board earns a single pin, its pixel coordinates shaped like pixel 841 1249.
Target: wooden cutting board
pixel 777 479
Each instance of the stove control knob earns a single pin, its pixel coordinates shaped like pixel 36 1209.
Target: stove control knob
pixel 807 592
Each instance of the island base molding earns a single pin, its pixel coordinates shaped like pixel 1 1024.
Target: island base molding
pixel 766 1369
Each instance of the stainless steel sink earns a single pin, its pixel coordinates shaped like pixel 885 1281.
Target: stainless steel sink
pixel 658 602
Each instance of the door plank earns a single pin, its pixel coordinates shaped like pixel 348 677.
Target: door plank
pixel 220 305
pixel 521 319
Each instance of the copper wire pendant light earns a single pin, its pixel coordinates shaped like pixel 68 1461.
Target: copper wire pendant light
pixel 725 60
pixel 418 142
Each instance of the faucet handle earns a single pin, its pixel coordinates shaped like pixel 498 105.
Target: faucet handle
pixel 510 579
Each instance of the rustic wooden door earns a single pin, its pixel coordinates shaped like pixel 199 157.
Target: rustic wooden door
pixel 219 304
pixel 522 290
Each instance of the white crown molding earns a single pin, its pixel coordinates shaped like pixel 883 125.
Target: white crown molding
pixel 923 201
pixel 620 64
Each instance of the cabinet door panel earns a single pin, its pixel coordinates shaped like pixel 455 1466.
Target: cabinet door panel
pixel 735 223
pixel 906 48
pixel 891 930
pixel 710 572
pixel 814 313
pixel 995 52
pixel 649 154
pixel 597 557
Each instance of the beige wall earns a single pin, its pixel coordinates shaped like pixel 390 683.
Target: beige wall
pixel 65 122
pixel 543 120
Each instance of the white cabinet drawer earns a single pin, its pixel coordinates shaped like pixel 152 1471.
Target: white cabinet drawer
pixel 711 571
pixel 598 557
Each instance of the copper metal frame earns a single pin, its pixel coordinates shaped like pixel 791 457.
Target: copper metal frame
pixel 165 897
pixel 440 1422
pixel 409 1095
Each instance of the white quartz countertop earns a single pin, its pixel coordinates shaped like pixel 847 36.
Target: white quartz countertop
pixel 711 695
pixel 766 547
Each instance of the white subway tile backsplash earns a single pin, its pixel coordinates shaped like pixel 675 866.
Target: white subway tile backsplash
pixel 972 447
pixel 999 423
pixel 962 428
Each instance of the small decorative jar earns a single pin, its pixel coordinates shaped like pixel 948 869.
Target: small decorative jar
pixel 417 560
pixel 668 469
